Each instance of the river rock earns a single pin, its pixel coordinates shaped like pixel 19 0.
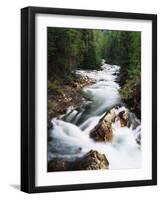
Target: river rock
pixel 93 160
pixel 58 164
pixel 82 81
pixel 90 161
pixel 133 121
pixel 50 125
pixel 123 117
pixel 103 130
pixel 75 84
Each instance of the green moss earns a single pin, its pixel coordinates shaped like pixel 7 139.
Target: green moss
pixel 51 105
pixel 55 87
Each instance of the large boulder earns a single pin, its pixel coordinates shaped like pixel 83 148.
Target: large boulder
pixel 90 161
pixel 93 160
pixel 103 130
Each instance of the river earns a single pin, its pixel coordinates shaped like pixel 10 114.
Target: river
pixel 69 137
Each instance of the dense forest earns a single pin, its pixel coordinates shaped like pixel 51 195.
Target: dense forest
pixel 70 49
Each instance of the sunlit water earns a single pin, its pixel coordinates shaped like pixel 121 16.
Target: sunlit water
pixel 69 137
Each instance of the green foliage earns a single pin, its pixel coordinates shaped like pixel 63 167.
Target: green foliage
pixel 90 51
pixel 63 51
pixel 69 49
pixel 51 105
pixel 124 48
pixel 128 89
pixel 55 87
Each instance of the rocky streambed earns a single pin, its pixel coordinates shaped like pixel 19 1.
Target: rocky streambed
pixel 100 132
pixel 69 95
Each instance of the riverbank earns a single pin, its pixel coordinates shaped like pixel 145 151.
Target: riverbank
pixel 131 95
pixel 61 96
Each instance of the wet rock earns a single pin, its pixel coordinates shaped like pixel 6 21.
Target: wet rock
pixel 115 73
pixel 103 130
pixel 75 85
pixel 81 82
pixel 92 160
pixel 59 164
pixel 133 121
pixel 50 125
pixel 123 117
pixel 138 139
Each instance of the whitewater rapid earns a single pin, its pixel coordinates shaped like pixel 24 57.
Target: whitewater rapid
pixel 69 137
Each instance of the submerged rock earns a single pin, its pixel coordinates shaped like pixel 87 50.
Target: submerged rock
pixel 92 160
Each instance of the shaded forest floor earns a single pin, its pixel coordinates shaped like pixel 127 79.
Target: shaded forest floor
pixel 63 95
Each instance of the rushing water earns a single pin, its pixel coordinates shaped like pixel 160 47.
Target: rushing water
pixel 69 137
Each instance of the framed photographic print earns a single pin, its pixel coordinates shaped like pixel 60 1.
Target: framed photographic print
pixel 88 99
